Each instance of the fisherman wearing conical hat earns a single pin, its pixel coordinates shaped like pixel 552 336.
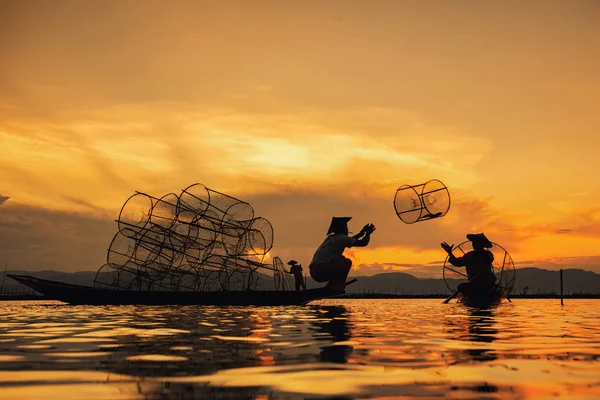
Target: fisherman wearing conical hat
pixel 296 270
pixel 478 265
pixel 329 264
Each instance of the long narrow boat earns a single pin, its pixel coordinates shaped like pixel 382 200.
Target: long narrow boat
pixel 78 294
pixel 482 300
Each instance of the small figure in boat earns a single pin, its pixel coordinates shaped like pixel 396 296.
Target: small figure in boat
pixel 328 264
pixel 478 264
pixel 296 270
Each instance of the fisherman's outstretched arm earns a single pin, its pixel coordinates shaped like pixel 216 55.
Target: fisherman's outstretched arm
pixel 361 233
pixel 363 242
pixel 456 261
pixel 368 229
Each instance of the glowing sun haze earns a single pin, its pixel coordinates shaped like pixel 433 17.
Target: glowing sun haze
pixel 306 109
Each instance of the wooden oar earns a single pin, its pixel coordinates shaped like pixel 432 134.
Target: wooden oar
pixel 350 282
pixel 453 295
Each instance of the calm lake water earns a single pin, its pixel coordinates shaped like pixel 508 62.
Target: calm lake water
pixel 343 348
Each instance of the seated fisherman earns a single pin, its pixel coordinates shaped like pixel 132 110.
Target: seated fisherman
pixel 478 264
pixel 296 270
pixel 328 264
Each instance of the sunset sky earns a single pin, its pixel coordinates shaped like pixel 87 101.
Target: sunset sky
pixel 306 109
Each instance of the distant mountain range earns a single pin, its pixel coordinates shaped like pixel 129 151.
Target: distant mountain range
pixel 528 281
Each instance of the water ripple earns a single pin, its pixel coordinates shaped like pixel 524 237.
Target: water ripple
pixel 362 348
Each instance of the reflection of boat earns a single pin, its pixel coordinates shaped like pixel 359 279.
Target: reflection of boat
pixel 477 327
pixel 78 294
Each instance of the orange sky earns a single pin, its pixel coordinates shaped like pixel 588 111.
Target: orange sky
pixel 307 109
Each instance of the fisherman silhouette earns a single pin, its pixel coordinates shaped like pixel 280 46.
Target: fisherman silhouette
pixel 296 270
pixel 478 264
pixel 328 263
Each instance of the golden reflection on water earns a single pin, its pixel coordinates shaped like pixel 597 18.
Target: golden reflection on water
pixel 156 357
pixel 77 354
pixel 354 348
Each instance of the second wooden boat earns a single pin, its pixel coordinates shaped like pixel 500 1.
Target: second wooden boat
pixel 78 294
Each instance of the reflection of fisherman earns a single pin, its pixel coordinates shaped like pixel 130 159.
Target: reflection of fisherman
pixel 478 264
pixel 481 329
pixel 328 263
pixel 296 270
pixel 334 334
pixel 476 328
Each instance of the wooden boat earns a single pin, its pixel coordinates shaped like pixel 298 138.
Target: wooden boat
pixel 482 300
pixel 78 294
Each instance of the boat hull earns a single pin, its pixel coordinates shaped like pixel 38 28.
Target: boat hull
pixel 77 294
pixel 481 301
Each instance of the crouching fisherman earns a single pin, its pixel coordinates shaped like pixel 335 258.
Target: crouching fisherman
pixel 478 264
pixel 329 264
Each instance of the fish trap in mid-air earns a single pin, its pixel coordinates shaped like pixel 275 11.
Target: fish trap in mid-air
pixel 425 201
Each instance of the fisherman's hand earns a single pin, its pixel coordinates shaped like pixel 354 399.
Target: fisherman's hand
pixel 447 247
pixel 364 229
pixel 370 228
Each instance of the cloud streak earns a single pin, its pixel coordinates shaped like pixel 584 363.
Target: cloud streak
pixel 33 238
